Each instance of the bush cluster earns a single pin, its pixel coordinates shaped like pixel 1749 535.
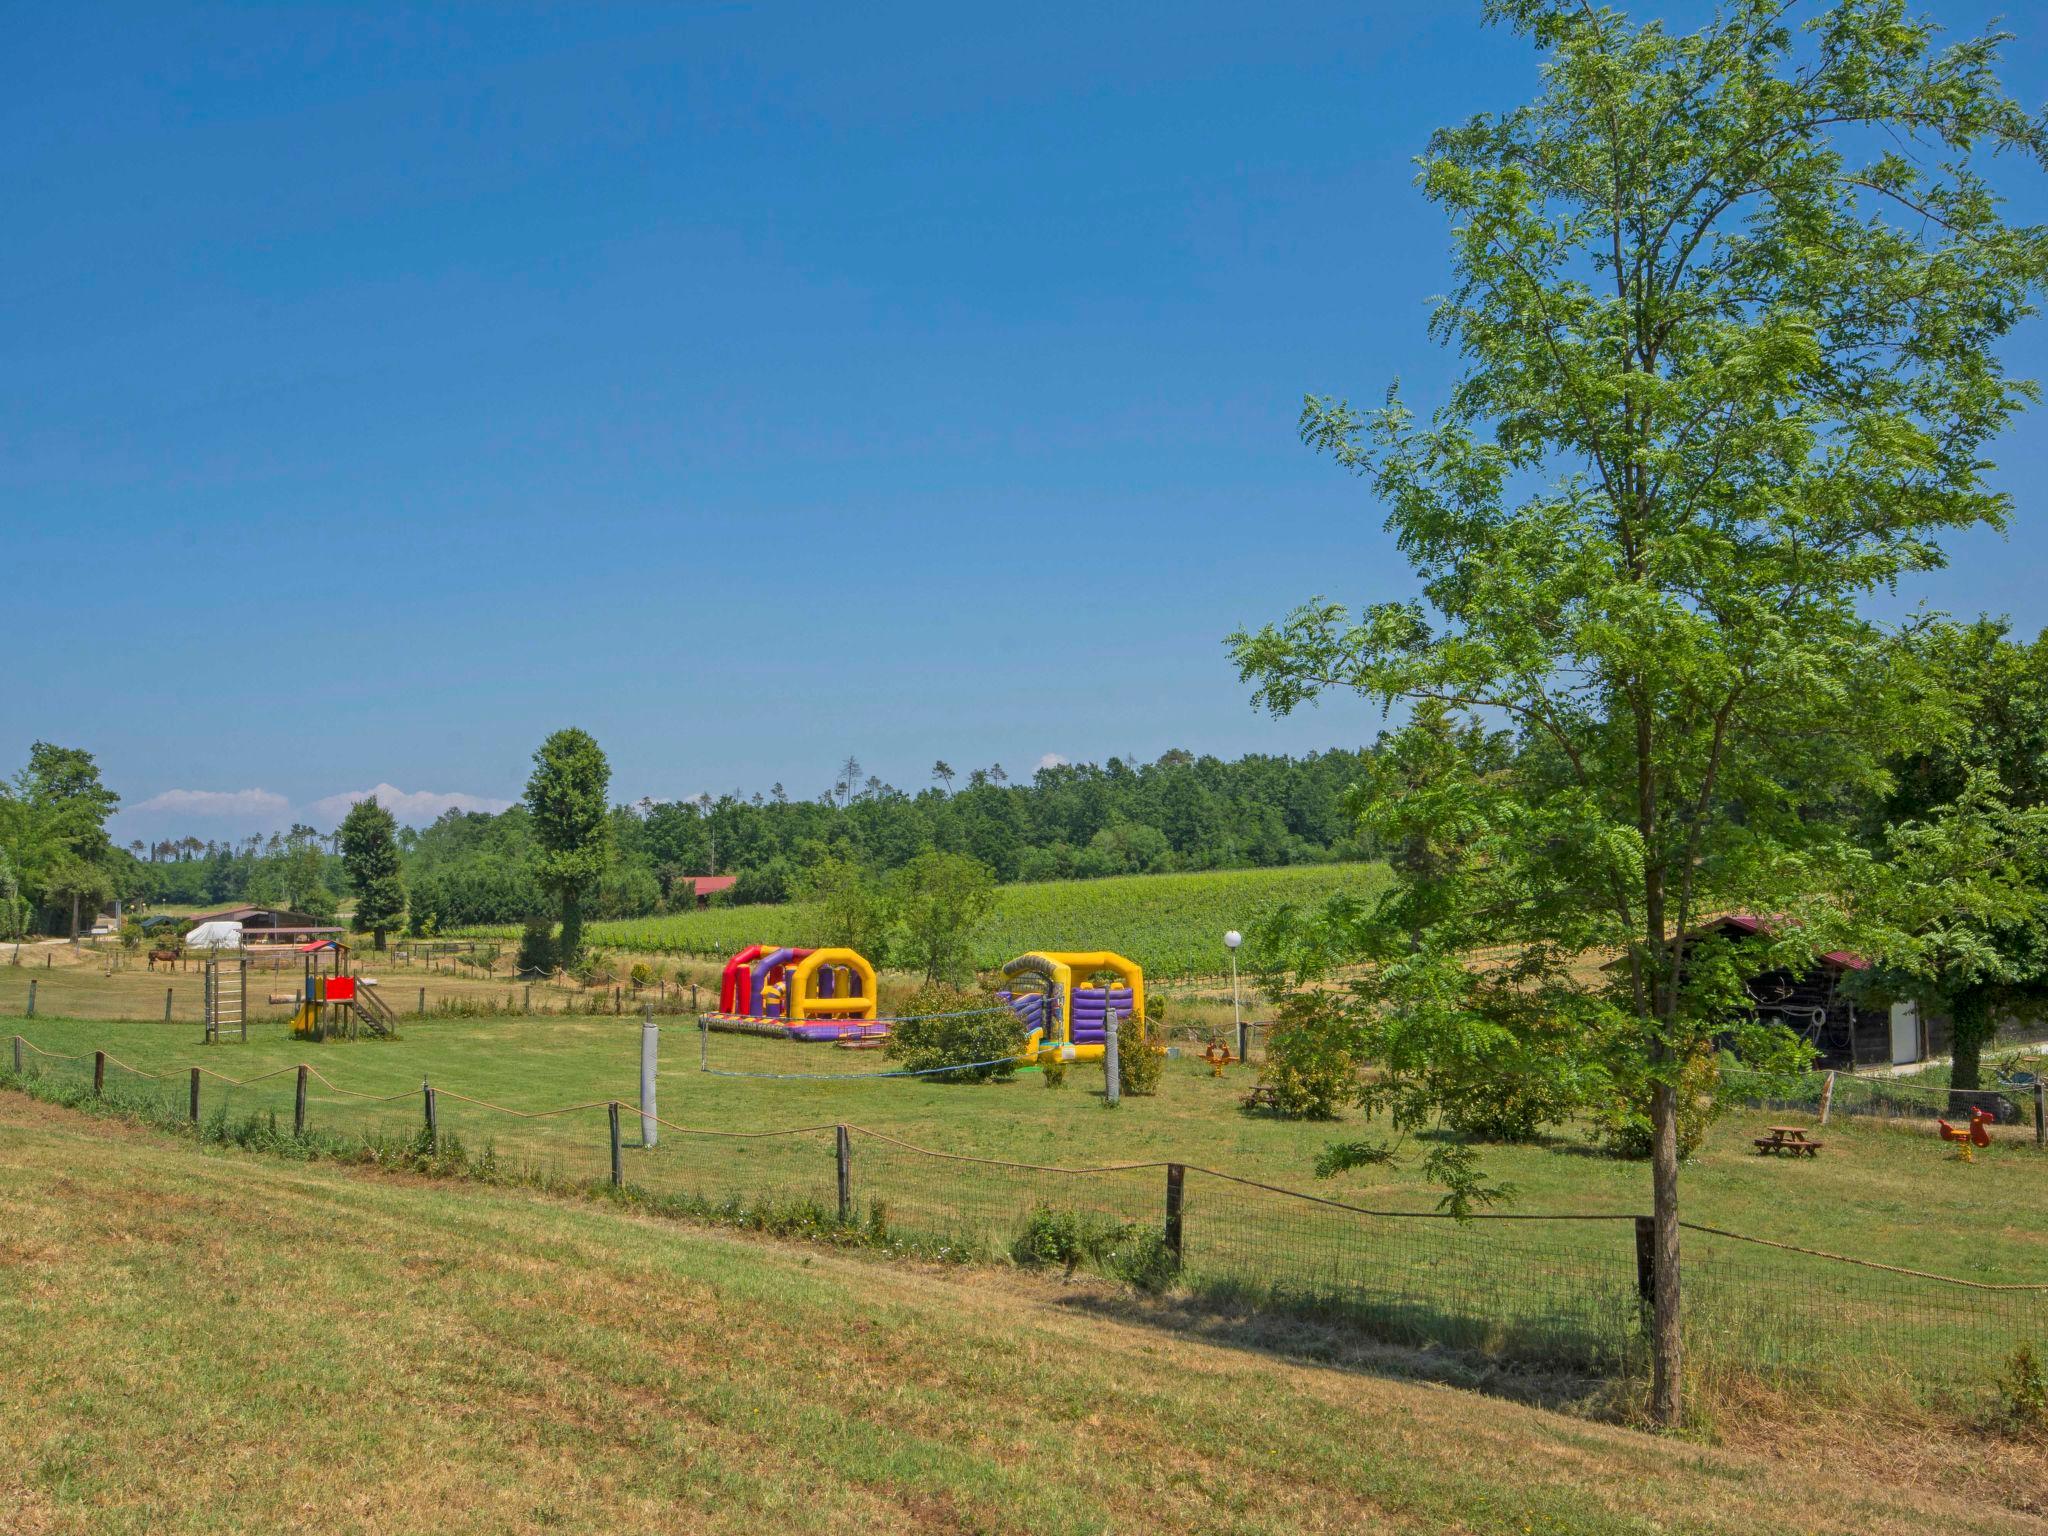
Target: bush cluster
pixel 1311 1057
pixel 944 1026
pixel 1124 1250
pixel 1624 1128
pixel 1139 1063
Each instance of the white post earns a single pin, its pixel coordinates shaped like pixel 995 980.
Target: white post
pixel 650 1058
pixel 1230 942
pixel 1112 1075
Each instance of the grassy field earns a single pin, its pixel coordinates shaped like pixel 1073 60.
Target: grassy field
pixel 1555 1291
pixel 1172 925
pixel 222 1342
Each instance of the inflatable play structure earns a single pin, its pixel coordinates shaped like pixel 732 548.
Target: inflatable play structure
pixel 1066 1000
pixel 804 994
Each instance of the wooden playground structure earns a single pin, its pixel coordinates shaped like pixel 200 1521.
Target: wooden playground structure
pixel 332 1002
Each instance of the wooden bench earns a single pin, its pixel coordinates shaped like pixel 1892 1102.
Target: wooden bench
pixel 1788 1139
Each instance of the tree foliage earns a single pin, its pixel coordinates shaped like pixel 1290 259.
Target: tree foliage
pixel 1959 904
pixel 369 855
pixel 572 828
pixel 938 901
pixel 1730 305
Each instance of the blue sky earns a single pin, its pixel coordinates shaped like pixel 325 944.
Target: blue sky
pixel 382 388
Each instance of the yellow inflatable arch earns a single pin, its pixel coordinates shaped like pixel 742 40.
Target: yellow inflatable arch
pixel 853 987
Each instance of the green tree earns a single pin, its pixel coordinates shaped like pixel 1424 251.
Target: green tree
pixel 1997 692
pixel 849 906
pixel 1730 304
pixel 53 822
pixel 566 796
pixel 369 856
pixel 13 910
pixel 940 900
pixel 1960 902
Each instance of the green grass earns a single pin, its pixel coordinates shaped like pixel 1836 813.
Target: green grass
pixel 205 1342
pixel 1561 1293
pixel 1172 925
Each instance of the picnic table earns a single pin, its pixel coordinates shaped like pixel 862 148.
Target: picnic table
pixel 1788 1139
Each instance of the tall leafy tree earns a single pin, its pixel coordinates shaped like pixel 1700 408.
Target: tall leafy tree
pixel 566 796
pixel 369 856
pixel 54 820
pixel 1997 688
pixel 1729 304
pixel 939 901
pixel 1961 906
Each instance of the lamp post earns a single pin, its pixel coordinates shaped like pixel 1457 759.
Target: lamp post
pixel 1230 942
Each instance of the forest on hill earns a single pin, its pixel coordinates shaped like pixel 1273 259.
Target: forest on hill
pixel 1181 813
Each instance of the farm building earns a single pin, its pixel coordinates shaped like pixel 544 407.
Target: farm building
pixel 1820 1004
pixel 708 886
pixel 271 925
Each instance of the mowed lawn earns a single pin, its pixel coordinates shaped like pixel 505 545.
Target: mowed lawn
pixel 214 1341
pixel 1885 1192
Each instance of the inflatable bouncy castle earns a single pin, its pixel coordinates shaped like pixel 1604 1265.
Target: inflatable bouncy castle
pixel 803 994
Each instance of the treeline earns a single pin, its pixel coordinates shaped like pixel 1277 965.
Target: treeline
pixel 59 869
pixel 1182 812
pixel 294 869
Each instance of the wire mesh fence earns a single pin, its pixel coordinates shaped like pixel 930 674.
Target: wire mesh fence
pixel 1564 1291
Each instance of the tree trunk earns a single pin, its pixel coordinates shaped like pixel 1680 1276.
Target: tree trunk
pixel 570 949
pixel 74 914
pixel 1667 1398
pixel 1970 1028
pixel 377 939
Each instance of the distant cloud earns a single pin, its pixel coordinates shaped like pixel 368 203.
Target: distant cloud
pixel 413 807
pixel 240 803
pixel 1052 760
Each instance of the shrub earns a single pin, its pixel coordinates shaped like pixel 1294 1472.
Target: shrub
pixel 1625 1127
pixel 1139 1063
pixel 1054 1073
pixel 537 947
pixel 1309 1063
pixel 1506 1108
pixel 1125 1250
pixel 1066 1238
pixel 1140 1258
pixel 945 1026
pixel 643 974
pixel 2023 1392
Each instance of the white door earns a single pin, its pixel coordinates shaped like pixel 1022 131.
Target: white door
pixel 1905 1033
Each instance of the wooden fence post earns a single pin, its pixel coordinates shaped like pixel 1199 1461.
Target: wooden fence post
pixel 99 1072
pixel 1112 1068
pixel 299 1104
pixel 423 1001
pixel 433 1117
pixel 2040 1113
pixel 1646 1259
pixel 31 999
pixel 618 1172
pixel 1827 1098
pixel 844 1148
pixel 1176 1184
pixel 20 1067
pixel 167 1005
pixel 526 1005
pixel 195 1095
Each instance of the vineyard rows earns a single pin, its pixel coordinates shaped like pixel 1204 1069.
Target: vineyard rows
pixel 1172 925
